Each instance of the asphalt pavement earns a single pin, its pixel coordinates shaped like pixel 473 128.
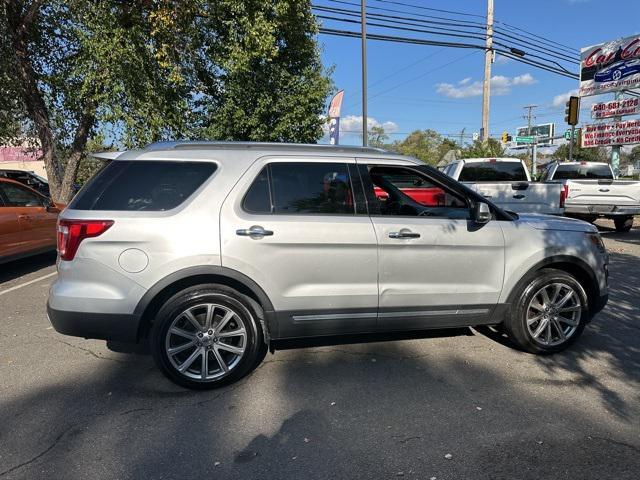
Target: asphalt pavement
pixel 455 405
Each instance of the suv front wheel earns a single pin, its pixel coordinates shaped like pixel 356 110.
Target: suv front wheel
pixel 549 313
pixel 207 336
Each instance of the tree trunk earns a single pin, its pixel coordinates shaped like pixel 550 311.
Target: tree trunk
pixel 61 179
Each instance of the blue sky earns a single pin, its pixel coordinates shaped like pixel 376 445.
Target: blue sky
pixel 416 87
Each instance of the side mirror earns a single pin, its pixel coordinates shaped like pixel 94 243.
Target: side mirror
pixel 481 213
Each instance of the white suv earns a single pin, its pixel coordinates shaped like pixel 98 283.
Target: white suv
pixel 214 251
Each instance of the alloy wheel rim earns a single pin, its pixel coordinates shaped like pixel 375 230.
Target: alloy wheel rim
pixel 206 342
pixel 553 314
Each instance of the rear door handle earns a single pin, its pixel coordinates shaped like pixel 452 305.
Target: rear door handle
pixel 24 217
pixel 255 231
pixel 404 233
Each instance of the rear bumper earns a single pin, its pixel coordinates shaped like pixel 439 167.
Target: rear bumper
pixel 605 210
pixel 103 326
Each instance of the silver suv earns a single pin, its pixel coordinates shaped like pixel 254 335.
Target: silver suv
pixel 215 251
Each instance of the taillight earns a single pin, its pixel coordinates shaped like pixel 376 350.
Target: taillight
pixel 564 193
pixel 72 232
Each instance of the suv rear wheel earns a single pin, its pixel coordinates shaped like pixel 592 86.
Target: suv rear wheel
pixel 207 336
pixel 549 313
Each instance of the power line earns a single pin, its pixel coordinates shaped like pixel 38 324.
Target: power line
pixel 483 17
pixel 395 20
pixel 417 41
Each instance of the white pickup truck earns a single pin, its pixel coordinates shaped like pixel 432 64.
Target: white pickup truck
pixel 591 191
pixel 506 182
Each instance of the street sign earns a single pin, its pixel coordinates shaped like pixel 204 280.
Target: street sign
pixel 528 139
pixel 545 133
pixel 475 136
pixel 567 135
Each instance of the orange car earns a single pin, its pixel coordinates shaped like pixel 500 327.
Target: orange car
pixel 27 221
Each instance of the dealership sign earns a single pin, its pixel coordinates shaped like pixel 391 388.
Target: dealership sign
pixel 610 67
pixel 614 133
pixel 615 108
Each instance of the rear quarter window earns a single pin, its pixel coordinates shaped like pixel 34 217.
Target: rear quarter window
pixel 133 185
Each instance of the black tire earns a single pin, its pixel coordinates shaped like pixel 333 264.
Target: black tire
pixel 516 323
pixel 623 224
pixel 225 300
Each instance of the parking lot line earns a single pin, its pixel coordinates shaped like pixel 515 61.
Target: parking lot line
pixel 2 292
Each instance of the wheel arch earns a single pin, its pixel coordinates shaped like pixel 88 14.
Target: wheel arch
pixel 157 295
pixel 574 266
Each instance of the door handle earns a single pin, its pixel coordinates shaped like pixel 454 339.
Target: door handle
pixel 24 217
pixel 404 233
pixel 255 231
pixel 518 196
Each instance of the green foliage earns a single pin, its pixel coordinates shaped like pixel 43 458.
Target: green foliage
pixel 139 71
pixel 426 145
pixel 597 154
pixel 480 149
pixel 377 137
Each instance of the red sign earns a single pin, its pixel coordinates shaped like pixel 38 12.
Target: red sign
pixel 19 154
pixel 608 134
pixel 615 108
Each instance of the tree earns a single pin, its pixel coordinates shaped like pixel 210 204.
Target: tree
pixel 597 154
pixel 142 71
pixel 377 137
pixel 426 145
pixel 480 149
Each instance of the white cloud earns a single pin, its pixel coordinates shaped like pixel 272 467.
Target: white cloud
pixel 500 85
pixel 525 79
pixel 351 125
pixel 560 100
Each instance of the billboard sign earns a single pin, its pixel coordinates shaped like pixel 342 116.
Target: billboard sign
pixel 544 132
pixel 626 132
pixel 610 66
pixel 615 108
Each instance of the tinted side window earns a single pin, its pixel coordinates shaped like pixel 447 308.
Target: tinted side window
pixel 493 172
pixel 258 197
pixel 142 185
pixel 311 188
pixel 20 197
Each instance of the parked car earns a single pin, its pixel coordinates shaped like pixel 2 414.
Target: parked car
pixel 28 178
pixel 216 251
pixel 27 221
pixel 507 183
pixel 618 70
pixel 591 191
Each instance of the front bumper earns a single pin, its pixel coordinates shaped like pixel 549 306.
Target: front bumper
pixel 606 210
pixel 103 326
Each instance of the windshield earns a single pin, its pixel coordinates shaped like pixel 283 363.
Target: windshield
pixel 583 171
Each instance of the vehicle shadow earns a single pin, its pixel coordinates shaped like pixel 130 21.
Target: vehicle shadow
pixel 370 410
pixel 17 268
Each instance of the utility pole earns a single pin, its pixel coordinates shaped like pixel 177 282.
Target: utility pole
pixel 486 86
pixel 528 118
pixel 363 24
pixel 615 150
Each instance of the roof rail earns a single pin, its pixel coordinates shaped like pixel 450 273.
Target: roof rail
pixel 197 144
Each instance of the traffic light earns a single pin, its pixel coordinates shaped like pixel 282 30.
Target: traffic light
pixel 572 110
pixel 505 137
